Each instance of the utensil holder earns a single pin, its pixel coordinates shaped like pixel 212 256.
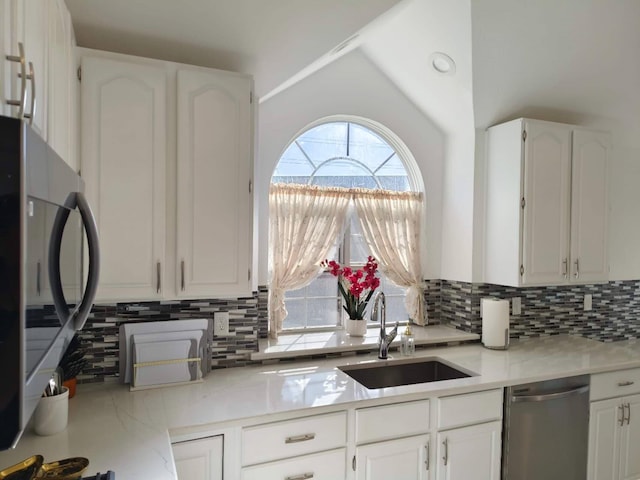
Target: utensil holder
pixel 52 414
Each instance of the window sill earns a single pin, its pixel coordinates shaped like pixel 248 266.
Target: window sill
pixel 293 345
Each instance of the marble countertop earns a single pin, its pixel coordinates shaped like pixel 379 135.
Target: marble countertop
pixel 130 432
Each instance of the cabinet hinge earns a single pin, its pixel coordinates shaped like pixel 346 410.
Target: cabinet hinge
pixel 79 73
pixel 353 463
pixel 524 135
pixel 522 202
pixel 250 186
pixel 521 270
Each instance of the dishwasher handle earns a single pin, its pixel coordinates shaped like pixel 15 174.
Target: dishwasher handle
pixel 550 396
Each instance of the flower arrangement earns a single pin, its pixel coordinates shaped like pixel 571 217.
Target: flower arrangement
pixel 356 287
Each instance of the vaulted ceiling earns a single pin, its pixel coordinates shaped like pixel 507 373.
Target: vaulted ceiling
pixel 564 60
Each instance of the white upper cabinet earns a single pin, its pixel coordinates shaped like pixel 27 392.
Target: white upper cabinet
pixel 124 167
pixel 589 206
pixel 167 157
pixel 36 70
pixel 33 32
pixel 62 85
pixel 546 204
pixel 214 199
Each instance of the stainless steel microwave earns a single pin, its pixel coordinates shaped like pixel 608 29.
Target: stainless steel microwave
pixel 44 297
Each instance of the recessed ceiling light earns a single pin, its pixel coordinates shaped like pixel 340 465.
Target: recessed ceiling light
pixel 442 63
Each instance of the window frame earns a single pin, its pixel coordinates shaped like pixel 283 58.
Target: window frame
pixel 415 183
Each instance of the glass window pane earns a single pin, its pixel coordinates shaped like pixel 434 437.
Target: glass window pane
pixel 367 147
pixel 358 248
pixel 324 142
pixel 322 312
pixel 293 163
pixel 397 184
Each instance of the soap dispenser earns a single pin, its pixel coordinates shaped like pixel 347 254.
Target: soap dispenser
pixel 407 342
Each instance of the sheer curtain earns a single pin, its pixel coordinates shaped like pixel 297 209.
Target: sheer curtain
pixel 304 222
pixel 390 223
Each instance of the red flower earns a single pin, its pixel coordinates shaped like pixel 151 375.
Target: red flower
pixel 355 285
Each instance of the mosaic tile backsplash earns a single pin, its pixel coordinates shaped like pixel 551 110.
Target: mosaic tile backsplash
pixel 545 311
pixel 551 310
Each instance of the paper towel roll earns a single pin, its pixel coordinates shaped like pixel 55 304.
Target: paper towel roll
pixel 495 323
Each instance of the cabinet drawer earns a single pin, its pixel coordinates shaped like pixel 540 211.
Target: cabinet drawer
pixel 470 408
pixel 615 384
pixel 291 438
pixel 391 421
pixel 319 466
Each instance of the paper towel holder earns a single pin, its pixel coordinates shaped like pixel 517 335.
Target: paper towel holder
pixel 506 342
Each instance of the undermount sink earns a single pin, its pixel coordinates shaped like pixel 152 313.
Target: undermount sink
pixel 394 374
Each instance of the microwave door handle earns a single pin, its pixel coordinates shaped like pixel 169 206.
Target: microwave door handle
pixel 55 281
pixel 94 261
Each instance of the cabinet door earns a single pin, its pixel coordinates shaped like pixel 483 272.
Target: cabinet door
pixel 405 458
pixel 59 108
pixel 589 206
pixel 199 459
pixel 630 432
pixel 7 47
pixel 214 202
pixel 123 164
pixel 470 452
pixel 604 439
pixel 32 22
pixel 547 167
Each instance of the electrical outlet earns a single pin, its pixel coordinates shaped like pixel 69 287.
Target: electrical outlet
pixel 588 302
pixel 516 306
pixel 221 323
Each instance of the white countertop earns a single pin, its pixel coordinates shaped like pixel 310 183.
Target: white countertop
pixel 129 432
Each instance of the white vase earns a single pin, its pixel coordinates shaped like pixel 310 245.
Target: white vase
pixel 356 328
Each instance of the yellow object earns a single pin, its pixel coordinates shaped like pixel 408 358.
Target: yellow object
pixel 25 469
pixel 67 469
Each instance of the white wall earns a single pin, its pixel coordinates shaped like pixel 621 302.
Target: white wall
pixel 351 85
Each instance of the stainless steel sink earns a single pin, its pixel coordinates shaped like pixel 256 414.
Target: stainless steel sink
pixel 403 372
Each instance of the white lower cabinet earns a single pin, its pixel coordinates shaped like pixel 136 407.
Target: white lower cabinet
pixel 199 459
pixel 614 436
pixel 470 452
pixel 320 466
pixel 404 458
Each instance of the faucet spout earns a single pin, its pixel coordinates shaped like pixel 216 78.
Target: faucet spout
pixel 385 339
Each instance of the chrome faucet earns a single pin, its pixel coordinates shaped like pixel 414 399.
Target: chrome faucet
pixel 385 340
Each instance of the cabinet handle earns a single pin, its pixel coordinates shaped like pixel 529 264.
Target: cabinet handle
pixel 23 77
pixel 158 270
pixel 300 438
pixel 625 384
pixel 565 268
pixel 577 264
pixel 302 476
pixel 182 275
pixel 426 453
pixel 38 268
pixel 446 451
pixel 31 76
pixel 621 414
pixel 627 407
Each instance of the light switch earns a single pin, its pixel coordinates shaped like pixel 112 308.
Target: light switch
pixel 588 302
pixel 221 323
pixel 516 306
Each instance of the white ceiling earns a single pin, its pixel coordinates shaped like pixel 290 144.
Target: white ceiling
pixel 563 60
pixel 270 39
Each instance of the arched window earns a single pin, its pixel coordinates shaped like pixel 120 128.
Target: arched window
pixel 352 155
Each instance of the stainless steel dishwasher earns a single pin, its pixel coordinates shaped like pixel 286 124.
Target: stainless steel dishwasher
pixel 546 430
